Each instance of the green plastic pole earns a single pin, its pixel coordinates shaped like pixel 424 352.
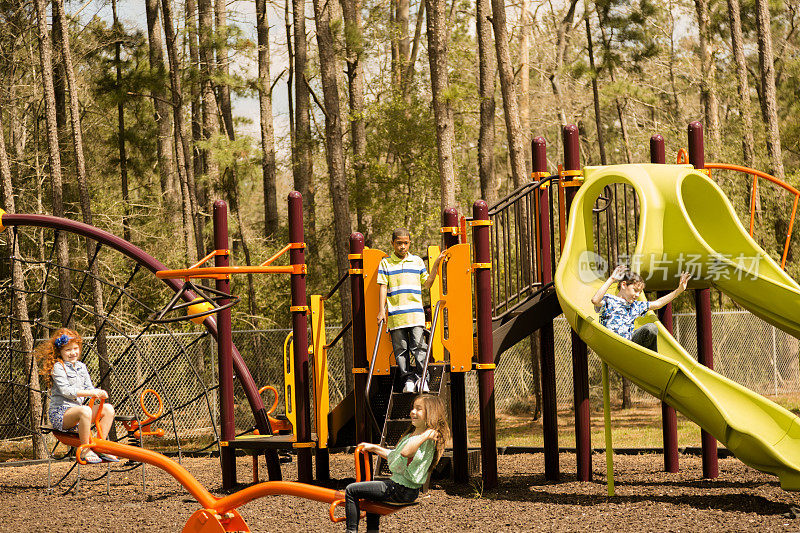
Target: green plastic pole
pixel 607 423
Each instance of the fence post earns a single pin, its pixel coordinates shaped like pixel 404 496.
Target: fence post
pixel 702 299
pixel 227 457
pixel 669 420
pixel 547 347
pixel 580 353
pixel 299 308
pixel 483 316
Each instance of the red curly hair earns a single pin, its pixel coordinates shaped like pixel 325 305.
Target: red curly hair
pixel 48 353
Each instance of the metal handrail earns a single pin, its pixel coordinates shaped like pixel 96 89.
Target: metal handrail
pixel 339 335
pixel 371 371
pixel 336 287
pixel 430 343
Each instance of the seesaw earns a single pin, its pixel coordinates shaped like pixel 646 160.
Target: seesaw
pixel 219 515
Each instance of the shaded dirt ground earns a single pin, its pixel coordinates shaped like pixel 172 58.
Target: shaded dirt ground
pixel 646 500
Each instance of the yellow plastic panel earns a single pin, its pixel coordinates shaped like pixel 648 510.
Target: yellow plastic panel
pixel 385 357
pixel 288 382
pixel 457 308
pixel 437 350
pixel 321 400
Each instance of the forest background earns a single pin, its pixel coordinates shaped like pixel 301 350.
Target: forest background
pixel 135 116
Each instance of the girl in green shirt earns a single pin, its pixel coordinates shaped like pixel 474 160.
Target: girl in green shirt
pixel 415 455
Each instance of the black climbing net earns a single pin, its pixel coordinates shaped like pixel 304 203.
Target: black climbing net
pixel 107 297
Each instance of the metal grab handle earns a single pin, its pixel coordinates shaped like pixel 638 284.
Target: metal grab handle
pixel 430 342
pixel 332 510
pixel 371 371
pixel 95 419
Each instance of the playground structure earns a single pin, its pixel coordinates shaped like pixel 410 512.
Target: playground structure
pixel 525 273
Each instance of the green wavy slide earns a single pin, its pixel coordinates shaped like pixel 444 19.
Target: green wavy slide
pixel 687 223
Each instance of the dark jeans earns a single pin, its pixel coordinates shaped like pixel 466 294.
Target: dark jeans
pixel 384 490
pixel 646 336
pixel 407 341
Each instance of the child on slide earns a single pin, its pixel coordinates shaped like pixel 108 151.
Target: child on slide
pixel 617 313
pixel 70 385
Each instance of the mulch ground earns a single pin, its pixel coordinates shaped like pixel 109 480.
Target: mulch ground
pixel 646 500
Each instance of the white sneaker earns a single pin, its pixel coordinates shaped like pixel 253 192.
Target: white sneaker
pixel 410 387
pixel 425 387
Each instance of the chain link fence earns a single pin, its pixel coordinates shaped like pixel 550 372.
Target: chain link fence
pixel 182 367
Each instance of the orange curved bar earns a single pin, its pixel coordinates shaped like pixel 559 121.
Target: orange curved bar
pixel 758 174
pixel 683 157
pixel 150 415
pixel 367 474
pixel 754 172
pixel 275 401
pixel 142 455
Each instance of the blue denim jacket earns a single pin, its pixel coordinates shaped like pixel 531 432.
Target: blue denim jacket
pixel 68 380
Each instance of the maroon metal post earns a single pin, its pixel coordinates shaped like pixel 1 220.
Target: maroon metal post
pixel 297 256
pixel 580 353
pixel 458 389
pixel 547 345
pixel 483 315
pixel 669 420
pixel 702 299
pixel 359 337
pixel 227 457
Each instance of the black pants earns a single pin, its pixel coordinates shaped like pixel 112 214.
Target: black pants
pixel 384 490
pixel 646 336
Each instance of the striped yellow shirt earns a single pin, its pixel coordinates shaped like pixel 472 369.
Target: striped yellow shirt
pixel 404 279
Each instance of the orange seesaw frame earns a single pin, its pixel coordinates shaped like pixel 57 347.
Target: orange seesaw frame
pixel 220 514
pixel 197 271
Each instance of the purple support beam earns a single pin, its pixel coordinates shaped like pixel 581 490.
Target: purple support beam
pixel 702 298
pixel 669 421
pixel 359 328
pixel 580 353
pixel 547 345
pixel 483 314
pixel 297 256
pixel 227 457
pixel 458 389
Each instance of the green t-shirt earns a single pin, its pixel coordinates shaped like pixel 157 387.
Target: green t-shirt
pixel 411 474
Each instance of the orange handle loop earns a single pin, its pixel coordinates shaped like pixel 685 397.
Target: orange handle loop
pixel 332 510
pixel 367 473
pixel 275 401
pixel 683 157
pixel 151 416
pixel 79 453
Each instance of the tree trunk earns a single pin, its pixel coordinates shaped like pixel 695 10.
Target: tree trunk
pixel 20 310
pixel 223 89
pixel 525 22
pixel 86 207
pixel 708 89
pixel 54 157
pixel 303 163
pixel 334 151
pixel 737 45
pixel 442 111
pixel 268 169
pixel 290 68
pixel 166 159
pixel 408 78
pixel 486 75
pixel 59 77
pixel 193 239
pixel 355 82
pixel 516 148
pixel 205 17
pixel 595 95
pixel 562 39
pixel 767 70
pixel 123 157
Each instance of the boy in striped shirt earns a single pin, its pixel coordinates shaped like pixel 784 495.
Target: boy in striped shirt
pixel 401 277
